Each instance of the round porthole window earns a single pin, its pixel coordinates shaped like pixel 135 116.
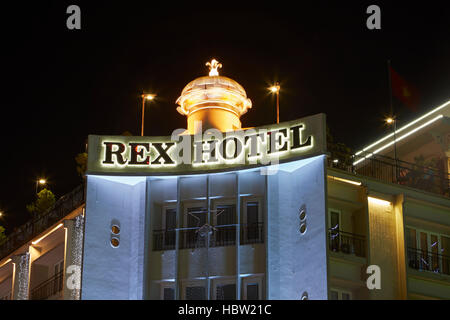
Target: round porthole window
pixel 115 242
pixel 302 214
pixel 303 228
pixel 115 229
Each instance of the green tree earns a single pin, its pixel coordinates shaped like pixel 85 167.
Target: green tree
pixel 339 151
pixel 81 160
pixel 45 200
pixel 2 235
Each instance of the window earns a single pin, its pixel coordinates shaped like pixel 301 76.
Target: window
pixel 334 220
pixel 252 288
pixel 225 289
pixel 169 227
pixel 58 274
pixel 427 250
pixel 252 226
pixel 59 267
pixel 193 290
pixel 167 291
pixel 339 294
pixel 223 218
pixel 195 216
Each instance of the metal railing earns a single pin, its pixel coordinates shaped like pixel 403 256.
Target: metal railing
pixel 219 237
pixel 395 171
pixel 48 288
pixel 346 242
pixel 428 261
pixel 38 224
pixel 252 233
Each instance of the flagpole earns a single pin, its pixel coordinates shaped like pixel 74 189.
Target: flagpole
pixel 390 85
pixel 395 120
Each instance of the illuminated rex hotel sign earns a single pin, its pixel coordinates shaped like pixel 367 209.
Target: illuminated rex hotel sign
pixel 210 151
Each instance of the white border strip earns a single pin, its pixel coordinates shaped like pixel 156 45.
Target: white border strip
pixel 403 128
pixel 401 138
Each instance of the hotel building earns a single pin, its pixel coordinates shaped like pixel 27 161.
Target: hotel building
pixel 219 211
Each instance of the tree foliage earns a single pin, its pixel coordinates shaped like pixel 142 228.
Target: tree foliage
pixel 81 160
pixel 338 150
pixel 2 235
pixel 45 200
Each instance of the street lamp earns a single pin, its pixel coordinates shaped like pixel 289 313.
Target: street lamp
pixel 276 89
pixel 40 182
pixel 145 96
pixel 393 121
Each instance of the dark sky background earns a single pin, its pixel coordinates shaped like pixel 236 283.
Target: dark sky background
pixel 60 85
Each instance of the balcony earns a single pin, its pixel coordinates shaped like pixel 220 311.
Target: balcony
pixel 219 237
pixel 389 170
pixel 25 233
pixel 428 261
pixel 49 288
pixel 348 243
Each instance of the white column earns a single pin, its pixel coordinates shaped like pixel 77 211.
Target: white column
pixel 73 254
pixel 21 276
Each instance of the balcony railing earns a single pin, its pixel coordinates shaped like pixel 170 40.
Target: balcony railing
pixel 38 224
pixel 48 288
pixel 252 233
pixel 399 172
pixel 345 242
pixel 219 237
pixel 428 261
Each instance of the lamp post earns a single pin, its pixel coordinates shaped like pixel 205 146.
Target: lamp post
pixel 145 96
pixel 276 89
pixel 40 182
pixel 394 122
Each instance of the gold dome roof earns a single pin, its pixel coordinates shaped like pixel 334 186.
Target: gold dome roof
pixel 213 91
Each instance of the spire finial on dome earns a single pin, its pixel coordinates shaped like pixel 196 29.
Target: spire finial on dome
pixel 213 66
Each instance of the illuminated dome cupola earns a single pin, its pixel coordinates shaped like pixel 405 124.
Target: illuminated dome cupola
pixel 217 101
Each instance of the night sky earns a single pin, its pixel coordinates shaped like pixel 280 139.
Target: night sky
pixel 61 85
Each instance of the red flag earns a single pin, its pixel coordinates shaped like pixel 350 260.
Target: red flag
pixel 404 91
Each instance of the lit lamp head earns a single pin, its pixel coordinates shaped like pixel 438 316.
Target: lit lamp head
pixel 390 120
pixel 275 88
pixel 216 101
pixel 42 181
pixel 148 96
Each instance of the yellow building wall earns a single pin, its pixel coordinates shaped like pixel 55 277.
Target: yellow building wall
pixel 383 248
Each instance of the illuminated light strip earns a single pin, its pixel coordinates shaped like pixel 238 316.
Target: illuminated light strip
pixel 45 235
pixel 6 262
pixel 399 139
pixel 379 201
pixel 357 183
pixel 403 128
pixel 213 107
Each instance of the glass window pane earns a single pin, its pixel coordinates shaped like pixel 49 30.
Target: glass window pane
pixel 411 238
pixel 334 220
pixel 252 213
pixel 195 293
pixel 226 214
pixel 253 291
pixel 424 241
pixel 171 219
pixel 169 294
pixel 334 295
pixel 226 292
pixel 196 217
pixel 445 251
pixel 345 296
